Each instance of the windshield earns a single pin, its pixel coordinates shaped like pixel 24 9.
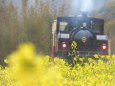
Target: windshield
pixel 63 25
pixel 94 25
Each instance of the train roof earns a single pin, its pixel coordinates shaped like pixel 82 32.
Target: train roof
pixel 78 18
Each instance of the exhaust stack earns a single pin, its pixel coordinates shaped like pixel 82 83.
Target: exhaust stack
pixel 84 14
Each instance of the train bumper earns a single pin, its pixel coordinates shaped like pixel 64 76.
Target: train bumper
pixel 81 53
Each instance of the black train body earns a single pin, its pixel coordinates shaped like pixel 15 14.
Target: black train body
pixel 88 32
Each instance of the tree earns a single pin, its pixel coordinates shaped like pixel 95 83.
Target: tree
pixel 9 29
pixel 24 8
pixel 108 10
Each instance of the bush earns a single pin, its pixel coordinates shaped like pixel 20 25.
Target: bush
pixel 26 68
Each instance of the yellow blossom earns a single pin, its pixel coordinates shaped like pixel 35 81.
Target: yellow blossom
pixel 81 59
pixel 108 57
pixel 75 59
pixel 5 60
pixel 26 68
pixel 102 56
pixel 89 59
pixel 96 56
pixel 55 60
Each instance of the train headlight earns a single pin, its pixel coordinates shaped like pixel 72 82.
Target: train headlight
pixel 64 45
pixel 104 47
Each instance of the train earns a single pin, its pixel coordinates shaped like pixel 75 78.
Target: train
pixel 87 32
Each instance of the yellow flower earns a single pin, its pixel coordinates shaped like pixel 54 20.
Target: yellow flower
pixel 96 56
pixel 26 68
pixel 56 60
pixel 100 62
pixel 108 57
pixel 102 56
pixel 89 59
pixel 69 54
pixel 6 61
pixel 86 64
pixel 74 59
pixel 47 57
pixel 81 59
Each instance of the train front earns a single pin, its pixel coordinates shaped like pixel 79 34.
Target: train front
pixel 87 32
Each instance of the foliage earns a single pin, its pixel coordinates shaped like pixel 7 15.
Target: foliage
pixel 26 68
pixel 108 10
pixel 31 24
pixel 34 23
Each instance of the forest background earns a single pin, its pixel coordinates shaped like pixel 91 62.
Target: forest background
pixel 34 23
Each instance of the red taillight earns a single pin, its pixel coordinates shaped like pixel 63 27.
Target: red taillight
pixel 64 45
pixel 104 47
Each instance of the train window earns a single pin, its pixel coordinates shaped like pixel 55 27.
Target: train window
pixel 63 25
pixel 96 27
pixel 67 24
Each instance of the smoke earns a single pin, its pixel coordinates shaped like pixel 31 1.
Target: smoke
pixel 79 6
pixel 87 5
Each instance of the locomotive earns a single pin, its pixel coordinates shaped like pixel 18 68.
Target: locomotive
pixel 88 32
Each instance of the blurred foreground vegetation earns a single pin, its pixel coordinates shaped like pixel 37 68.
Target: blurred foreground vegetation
pixel 26 68
pixel 34 24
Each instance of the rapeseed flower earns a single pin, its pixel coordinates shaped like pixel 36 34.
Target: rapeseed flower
pixel 81 59
pixel 108 57
pixel 6 61
pixel 113 57
pixel 90 59
pixel 26 68
pixel 96 56
pixel 75 59
pixel 102 56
